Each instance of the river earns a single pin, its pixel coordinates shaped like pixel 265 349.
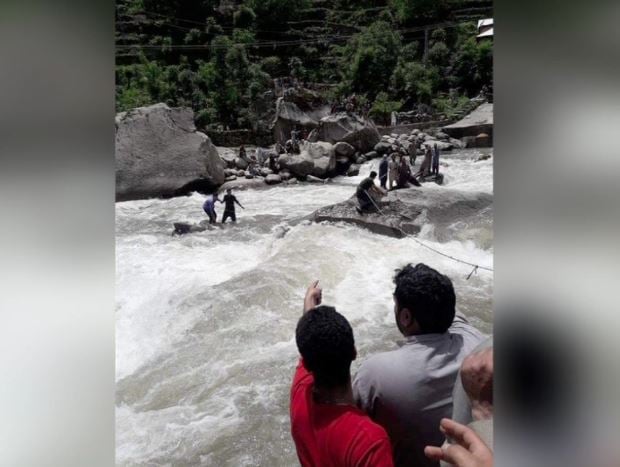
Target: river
pixel 205 348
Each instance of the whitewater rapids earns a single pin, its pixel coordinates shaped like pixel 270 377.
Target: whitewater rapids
pixel 205 348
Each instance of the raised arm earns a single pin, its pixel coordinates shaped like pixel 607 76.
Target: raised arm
pixel 313 297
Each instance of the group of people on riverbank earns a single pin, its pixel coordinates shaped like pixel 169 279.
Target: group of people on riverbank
pixel 430 400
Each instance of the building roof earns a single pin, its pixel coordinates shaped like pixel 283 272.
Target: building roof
pixel 485 22
pixel 487 33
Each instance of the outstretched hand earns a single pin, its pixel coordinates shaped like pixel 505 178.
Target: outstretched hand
pixel 313 297
pixel 466 450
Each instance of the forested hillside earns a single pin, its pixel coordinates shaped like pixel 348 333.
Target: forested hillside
pixel 220 57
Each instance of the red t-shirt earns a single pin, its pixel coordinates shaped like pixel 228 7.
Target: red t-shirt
pixel 329 435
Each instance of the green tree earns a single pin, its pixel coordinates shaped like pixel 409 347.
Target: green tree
pixel 383 107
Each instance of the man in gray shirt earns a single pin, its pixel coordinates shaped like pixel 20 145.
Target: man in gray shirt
pixel 409 390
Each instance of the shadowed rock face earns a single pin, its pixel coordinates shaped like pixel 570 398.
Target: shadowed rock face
pixel 404 212
pixel 477 122
pixel 159 153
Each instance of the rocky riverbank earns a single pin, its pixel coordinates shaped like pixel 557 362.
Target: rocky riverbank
pixel 159 153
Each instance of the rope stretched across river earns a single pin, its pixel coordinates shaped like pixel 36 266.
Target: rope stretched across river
pixel 475 266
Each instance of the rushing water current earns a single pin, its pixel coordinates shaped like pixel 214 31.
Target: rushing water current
pixel 205 348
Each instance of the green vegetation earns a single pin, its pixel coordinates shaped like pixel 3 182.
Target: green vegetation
pixel 220 56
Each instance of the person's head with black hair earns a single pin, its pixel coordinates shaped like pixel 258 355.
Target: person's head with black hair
pixel 325 341
pixel 373 174
pixel 424 300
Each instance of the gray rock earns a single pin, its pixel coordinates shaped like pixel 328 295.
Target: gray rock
pixel 182 228
pixel 241 163
pixel 344 149
pixel 273 179
pixel 371 155
pixel 160 153
pixel 298 108
pixel 240 173
pixel 353 170
pixel 228 155
pixel 285 176
pixel 382 147
pixel 229 172
pixel 296 164
pixel 405 211
pixel 360 160
pixel 478 121
pixel 264 171
pixel 358 132
pixel 230 178
pixel 442 136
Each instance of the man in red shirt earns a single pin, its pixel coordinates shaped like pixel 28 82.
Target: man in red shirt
pixel 327 427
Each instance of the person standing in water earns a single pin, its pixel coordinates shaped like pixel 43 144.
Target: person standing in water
pixel 229 206
pixel 383 171
pixel 435 162
pixel 209 207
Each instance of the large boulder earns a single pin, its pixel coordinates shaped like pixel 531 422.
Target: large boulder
pixel 358 132
pixel 159 153
pixel 382 147
pixel 298 108
pixel 344 149
pixel 317 159
pixel 322 155
pixel 296 164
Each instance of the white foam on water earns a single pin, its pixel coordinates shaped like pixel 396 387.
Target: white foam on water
pixel 205 322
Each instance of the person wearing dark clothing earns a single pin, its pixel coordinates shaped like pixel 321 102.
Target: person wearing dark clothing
pixel 229 206
pixel 435 161
pixel 383 172
pixel 364 193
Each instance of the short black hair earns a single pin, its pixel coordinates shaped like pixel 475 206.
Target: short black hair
pixel 373 174
pixel 325 341
pixel 428 294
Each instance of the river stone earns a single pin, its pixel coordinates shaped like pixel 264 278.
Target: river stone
pixel 353 170
pixel 273 179
pixel 229 172
pixel 360 160
pixel 160 153
pixel 371 155
pixel 240 173
pixel 382 147
pixel 230 178
pixel 241 163
pixel 285 176
pixel 442 136
pixel 344 149
pixel 264 171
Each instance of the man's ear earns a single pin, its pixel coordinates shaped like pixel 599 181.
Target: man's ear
pixel 405 317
